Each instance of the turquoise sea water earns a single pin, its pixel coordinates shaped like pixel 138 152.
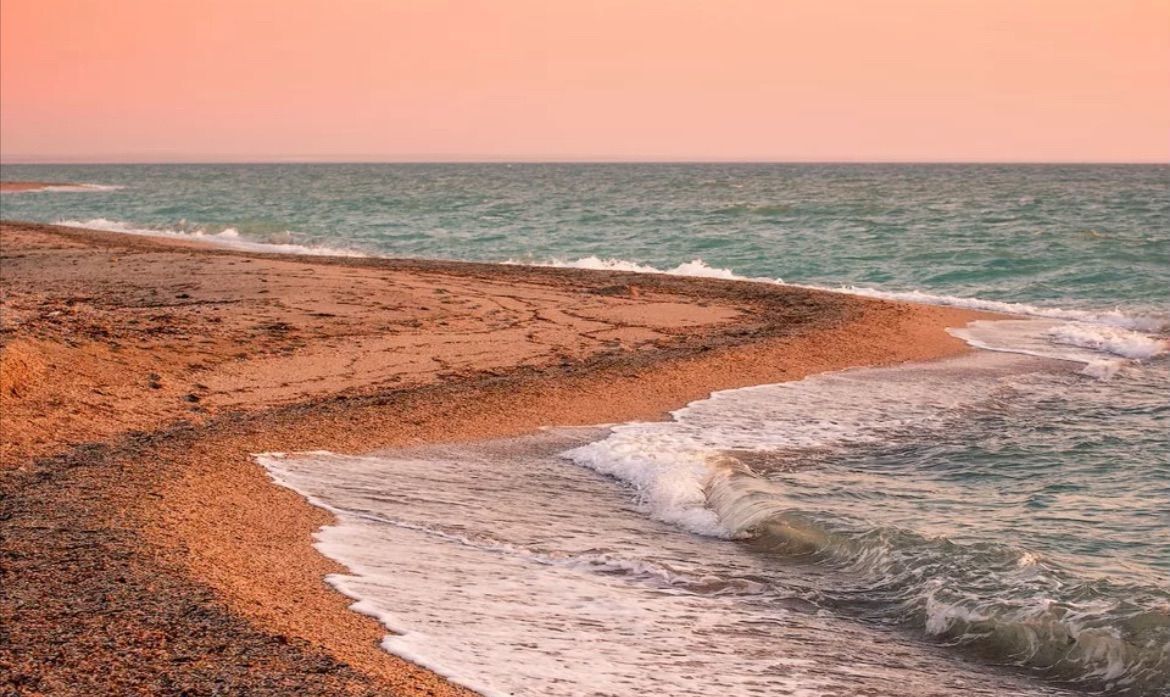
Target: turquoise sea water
pixel 1013 510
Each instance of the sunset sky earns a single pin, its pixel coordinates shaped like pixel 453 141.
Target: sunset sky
pixel 829 80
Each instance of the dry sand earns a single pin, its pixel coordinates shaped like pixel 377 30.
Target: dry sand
pixel 184 360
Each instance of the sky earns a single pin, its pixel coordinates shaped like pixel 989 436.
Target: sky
pixel 420 80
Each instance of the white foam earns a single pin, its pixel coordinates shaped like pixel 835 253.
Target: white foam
pixel 1103 350
pixel 1118 342
pixel 510 571
pixel 228 237
pixel 1102 369
pixel 673 465
pixel 671 481
pixel 696 268
pixel 1115 318
pixel 471 597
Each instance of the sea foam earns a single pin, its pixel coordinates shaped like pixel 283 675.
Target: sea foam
pixel 510 571
pixel 228 237
pixel 671 465
pixel 704 470
pixel 1101 349
pixel 1119 342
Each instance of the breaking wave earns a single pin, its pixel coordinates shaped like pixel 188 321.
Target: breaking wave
pixel 723 468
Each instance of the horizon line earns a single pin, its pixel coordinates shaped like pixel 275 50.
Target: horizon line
pixel 556 161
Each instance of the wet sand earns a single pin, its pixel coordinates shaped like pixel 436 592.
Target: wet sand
pixel 144 551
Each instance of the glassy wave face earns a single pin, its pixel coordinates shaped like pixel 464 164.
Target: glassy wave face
pixel 994 525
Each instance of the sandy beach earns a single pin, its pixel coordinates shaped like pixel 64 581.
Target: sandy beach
pixel 570 349
pixel 144 549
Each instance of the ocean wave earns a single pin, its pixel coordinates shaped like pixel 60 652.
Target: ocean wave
pixel 703 471
pixel 670 483
pixel 637 570
pixel 1118 342
pixel 228 237
pixel 697 268
pixel 1114 318
pixel 1007 603
pixel 669 464
pixel 1102 350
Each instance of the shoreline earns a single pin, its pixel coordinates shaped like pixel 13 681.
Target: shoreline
pixel 508 349
pixel 14 187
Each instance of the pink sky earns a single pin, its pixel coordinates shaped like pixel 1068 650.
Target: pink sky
pixel 1006 80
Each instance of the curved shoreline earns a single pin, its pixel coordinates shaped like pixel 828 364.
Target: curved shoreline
pixel 191 507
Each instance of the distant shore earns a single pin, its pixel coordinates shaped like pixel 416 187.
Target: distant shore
pixel 148 552
pixel 29 186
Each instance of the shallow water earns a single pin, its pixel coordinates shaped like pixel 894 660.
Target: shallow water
pixel 999 524
pixel 928 511
pixel 582 594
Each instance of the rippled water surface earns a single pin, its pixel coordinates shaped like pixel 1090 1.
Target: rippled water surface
pixel 584 594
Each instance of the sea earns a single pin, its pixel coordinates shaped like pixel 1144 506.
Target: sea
pixel 994 524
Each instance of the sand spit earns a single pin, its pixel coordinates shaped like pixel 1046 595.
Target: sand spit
pixel 143 550
pixel 15 187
